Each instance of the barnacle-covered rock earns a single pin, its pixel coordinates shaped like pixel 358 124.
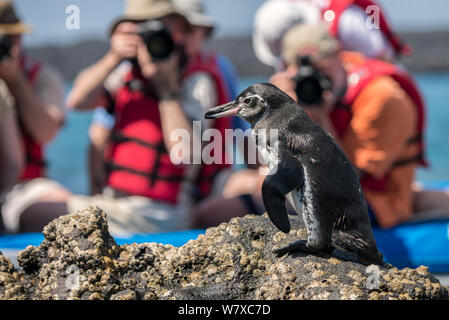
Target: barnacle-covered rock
pixel 80 260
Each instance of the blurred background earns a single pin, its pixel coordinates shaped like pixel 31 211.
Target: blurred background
pixel 423 24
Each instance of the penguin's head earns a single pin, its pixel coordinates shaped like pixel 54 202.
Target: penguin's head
pixel 252 104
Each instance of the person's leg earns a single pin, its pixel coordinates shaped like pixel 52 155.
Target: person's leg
pixel 33 204
pixel 99 135
pixel 38 215
pixel 213 211
pixel 45 209
pixel 247 181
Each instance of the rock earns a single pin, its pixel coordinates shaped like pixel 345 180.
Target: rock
pixel 80 260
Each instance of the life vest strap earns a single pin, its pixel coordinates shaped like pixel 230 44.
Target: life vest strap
pixel 121 138
pixel 36 161
pixel 416 139
pixel 111 166
pixel 402 162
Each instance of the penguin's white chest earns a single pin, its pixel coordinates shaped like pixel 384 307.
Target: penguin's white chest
pixel 268 151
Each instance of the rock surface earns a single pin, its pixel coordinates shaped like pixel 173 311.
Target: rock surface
pixel 80 260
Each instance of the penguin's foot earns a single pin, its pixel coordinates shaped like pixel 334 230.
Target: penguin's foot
pixel 299 245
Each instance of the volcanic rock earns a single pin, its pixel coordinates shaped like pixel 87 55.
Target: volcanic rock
pixel 78 259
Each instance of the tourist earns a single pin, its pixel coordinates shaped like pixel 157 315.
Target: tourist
pixel 145 191
pixel 38 95
pixel 375 113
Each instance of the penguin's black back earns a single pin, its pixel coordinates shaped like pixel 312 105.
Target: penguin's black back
pixel 331 177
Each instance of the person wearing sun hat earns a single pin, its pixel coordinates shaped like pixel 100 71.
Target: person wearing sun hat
pixel 37 92
pixel 9 22
pixel 203 28
pixel 374 111
pixel 143 189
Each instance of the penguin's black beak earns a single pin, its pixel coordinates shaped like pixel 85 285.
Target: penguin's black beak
pixel 225 110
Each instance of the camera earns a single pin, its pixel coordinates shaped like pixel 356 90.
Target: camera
pixel 157 39
pixel 310 83
pixel 5 47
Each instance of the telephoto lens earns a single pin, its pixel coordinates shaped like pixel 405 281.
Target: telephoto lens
pixel 157 38
pixel 310 84
pixel 5 47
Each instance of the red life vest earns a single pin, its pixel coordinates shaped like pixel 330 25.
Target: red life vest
pixel 34 155
pixel 137 160
pixel 333 12
pixel 359 77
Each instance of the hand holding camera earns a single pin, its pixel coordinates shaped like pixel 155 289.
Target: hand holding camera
pixel 311 85
pixel 5 47
pixel 164 74
pixel 149 46
pixel 10 68
pixel 124 41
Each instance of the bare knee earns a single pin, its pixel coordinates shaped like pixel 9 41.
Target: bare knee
pixel 38 215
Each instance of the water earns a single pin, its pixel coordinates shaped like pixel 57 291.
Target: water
pixel 67 154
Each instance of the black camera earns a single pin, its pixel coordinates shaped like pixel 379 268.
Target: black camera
pixel 5 47
pixel 310 83
pixel 157 38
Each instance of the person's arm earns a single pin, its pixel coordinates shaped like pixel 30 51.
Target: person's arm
pixel 98 135
pixel 11 153
pixel 88 90
pixel 165 76
pixel 41 119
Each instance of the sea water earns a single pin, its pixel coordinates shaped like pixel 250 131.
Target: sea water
pixel 67 154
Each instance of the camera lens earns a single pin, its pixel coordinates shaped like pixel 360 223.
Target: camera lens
pixel 160 45
pixel 309 91
pixel 5 47
pixel 310 83
pixel 157 39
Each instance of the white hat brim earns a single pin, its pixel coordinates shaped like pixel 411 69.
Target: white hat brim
pixel 263 51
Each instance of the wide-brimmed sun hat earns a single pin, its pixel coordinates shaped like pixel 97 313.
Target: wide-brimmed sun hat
pixel 272 20
pixel 312 40
pixel 195 13
pixel 141 10
pixel 10 24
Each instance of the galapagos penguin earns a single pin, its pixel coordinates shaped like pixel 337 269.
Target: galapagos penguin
pixel 310 170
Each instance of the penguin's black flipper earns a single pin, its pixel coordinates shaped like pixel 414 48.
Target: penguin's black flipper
pixel 288 176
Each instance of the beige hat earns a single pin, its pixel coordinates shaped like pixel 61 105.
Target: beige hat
pixel 312 40
pixel 140 10
pixel 9 22
pixel 195 12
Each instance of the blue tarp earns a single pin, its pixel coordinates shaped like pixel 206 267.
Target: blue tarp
pixel 414 244
pixel 177 239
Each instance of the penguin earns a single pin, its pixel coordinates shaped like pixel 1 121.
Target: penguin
pixel 308 169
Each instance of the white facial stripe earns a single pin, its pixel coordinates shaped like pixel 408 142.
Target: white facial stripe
pixel 254 96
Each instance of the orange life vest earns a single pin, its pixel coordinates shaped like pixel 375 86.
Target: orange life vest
pixel 34 155
pixel 137 160
pixel 335 8
pixel 359 75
